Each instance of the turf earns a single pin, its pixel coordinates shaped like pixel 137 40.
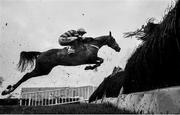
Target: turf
pixel 63 109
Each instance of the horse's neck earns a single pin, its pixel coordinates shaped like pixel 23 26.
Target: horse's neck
pixel 99 41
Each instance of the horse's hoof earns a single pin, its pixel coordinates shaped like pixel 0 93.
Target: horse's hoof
pixel 8 90
pixel 9 87
pixel 87 68
pixel 4 92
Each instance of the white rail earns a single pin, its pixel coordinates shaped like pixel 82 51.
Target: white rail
pixel 56 96
pixel 49 102
pixel 46 98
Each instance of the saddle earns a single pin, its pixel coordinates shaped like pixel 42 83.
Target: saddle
pixel 78 45
pixel 75 49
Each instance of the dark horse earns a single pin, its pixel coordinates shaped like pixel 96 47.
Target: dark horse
pixel 44 62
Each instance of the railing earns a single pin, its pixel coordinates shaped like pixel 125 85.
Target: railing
pixel 57 96
pixel 46 98
pixel 49 102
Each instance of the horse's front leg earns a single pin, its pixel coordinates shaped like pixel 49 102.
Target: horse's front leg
pixel 98 61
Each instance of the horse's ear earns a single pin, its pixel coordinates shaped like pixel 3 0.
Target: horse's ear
pixel 110 33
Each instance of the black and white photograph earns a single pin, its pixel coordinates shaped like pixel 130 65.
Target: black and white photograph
pixel 89 56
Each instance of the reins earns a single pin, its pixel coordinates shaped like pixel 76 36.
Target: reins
pixel 94 46
pixel 97 47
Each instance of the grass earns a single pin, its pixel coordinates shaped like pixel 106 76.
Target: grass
pixel 63 109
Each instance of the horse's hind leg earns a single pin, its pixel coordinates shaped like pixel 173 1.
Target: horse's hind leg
pixel 27 76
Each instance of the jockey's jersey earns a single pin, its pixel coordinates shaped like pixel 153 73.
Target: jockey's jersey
pixel 70 33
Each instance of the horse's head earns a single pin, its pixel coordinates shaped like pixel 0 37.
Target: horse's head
pixel 111 42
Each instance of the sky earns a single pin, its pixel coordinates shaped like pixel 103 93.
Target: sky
pixel 35 25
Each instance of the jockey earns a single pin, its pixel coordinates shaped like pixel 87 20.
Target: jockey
pixel 70 38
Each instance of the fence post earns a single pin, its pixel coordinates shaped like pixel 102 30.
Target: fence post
pixel 20 101
pixel 29 103
pixel 35 99
pixel 25 100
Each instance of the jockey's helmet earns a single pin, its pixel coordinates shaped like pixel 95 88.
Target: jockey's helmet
pixel 81 31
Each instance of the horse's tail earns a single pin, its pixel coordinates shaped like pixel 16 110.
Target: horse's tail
pixel 27 58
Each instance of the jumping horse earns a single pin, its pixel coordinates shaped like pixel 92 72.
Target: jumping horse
pixel 44 62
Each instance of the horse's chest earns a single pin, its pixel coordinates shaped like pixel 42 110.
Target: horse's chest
pixel 90 52
pixel 85 55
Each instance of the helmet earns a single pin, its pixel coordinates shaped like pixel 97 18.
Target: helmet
pixel 82 30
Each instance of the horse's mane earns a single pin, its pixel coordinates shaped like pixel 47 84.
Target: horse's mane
pixel 90 39
pixel 100 37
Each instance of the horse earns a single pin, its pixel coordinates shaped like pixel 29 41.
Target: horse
pixel 44 62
